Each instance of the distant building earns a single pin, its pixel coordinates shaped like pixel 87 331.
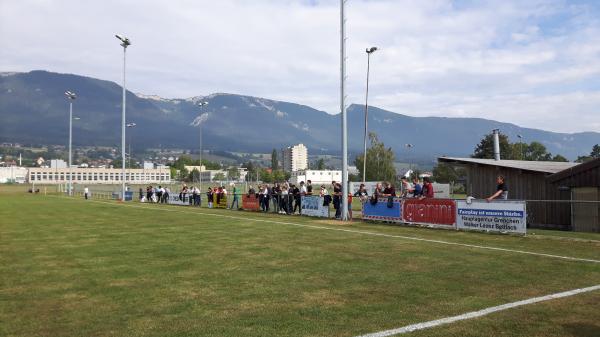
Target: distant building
pixel 148 165
pixel 13 174
pixel 317 177
pixel 295 158
pixel 40 175
pixel 58 163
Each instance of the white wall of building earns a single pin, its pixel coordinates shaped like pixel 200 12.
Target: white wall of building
pixel 318 177
pixel 90 176
pixel 13 174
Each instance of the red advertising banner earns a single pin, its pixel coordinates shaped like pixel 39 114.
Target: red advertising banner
pixel 250 202
pixel 430 211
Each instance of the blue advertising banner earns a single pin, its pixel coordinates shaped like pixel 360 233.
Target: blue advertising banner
pixel 383 210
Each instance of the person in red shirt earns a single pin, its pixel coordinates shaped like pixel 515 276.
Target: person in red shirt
pixel 427 189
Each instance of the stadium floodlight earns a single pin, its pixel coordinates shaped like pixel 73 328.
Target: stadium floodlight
pixel 369 52
pixel 124 43
pixel 71 96
pixel 131 125
pixel 201 118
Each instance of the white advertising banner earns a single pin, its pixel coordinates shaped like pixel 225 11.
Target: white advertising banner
pixel 369 186
pixel 312 205
pixel 441 191
pixel 500 216
pixel 174 199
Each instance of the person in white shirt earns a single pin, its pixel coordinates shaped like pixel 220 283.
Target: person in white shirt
pixel 86 192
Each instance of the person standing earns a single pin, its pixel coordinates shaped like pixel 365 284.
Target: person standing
pixel 362 193
pixel 501 190
pixel 309 189
pixel 86 192
pixel 427 189
pixel 235 198
pixel 209 197
pixel 337 199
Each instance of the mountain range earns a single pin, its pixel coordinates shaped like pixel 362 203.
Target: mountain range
pixel 34 110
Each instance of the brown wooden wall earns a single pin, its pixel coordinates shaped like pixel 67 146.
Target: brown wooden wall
pixel 523 185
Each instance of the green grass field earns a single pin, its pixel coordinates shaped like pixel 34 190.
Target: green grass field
pixel 70 267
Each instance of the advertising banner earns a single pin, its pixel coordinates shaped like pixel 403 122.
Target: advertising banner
pixel 250 202
pixel 383 210
pixel 182 199
pixel 312 205
pixel 439 212
pixel 499 216
pixel 369 186
pixel 441 191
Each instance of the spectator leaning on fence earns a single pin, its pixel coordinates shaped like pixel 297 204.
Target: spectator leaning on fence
pixel 501 190
pixel 417 189
pixel 309 188
pixel 389 190
pixel 405 187
pixel 427 189
pixel 362 193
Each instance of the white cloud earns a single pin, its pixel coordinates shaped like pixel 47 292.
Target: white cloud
pixel 528 62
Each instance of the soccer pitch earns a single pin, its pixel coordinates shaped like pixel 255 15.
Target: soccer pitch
pixel 71 267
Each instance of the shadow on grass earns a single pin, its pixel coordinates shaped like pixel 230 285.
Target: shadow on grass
pixel 582 329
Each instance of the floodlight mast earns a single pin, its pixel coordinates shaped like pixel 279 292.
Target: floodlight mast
pixel 124 43
pixel 344 196
pixel 201 104
pixel 369 52
pixel 71 97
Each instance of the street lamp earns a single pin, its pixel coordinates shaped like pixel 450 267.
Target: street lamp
pixel 124 43
pixel 409 147
pixel 130 125
pixel 521 146
pixel 201 119
pixel 369 52
pixel 71 97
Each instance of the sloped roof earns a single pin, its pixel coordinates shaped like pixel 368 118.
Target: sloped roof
pixel 535 166
pixel 580 168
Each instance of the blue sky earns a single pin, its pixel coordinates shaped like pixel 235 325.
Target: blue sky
pixel 534 63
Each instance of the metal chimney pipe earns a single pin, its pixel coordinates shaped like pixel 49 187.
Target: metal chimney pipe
pixel 496 144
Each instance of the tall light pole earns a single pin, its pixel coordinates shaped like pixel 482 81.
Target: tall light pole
pixel 344 196
pixel 521 146
pixel 130 125
pixel 71 97
pixel 124 43
pixel 369 52
pixel 409 147
pixel 201 119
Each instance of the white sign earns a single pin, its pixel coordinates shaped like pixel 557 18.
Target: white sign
pixel 174 199
pixel 441 191
pixel 312 205
pixel 369 186
pixel 499 216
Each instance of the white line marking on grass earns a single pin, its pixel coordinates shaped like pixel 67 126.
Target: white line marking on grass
pixel 480 313
pixel 355 232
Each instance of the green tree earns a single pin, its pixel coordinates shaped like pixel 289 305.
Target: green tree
pixel 446 173
pixel 233 173
pixel 320 164
pixel 265 176
pixel 560 158
pixel 278 176
pixel 219 177
pixel 593 155
pixel 274 161
pixel 485 148
pixel 380 161
pixel 536 151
